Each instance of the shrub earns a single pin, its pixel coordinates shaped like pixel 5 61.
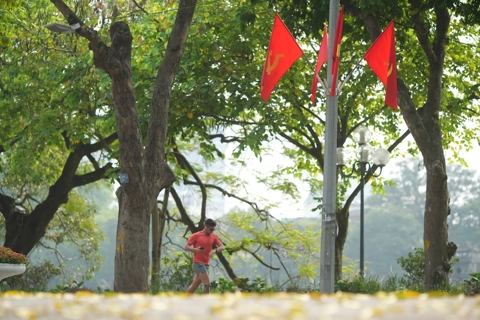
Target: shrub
pixel 414 266
pixel 72 287
pixel 472 286
pixel 359 285
pixel 244 284
pixel 222 285
pixel 35 278
pixel 176 273
pixel 7 255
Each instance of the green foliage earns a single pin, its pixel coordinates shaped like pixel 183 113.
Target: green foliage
pixel 73 239
pixel 472 285
pixel 59 101
pixel 257 285
pixel 393 284
pixel 414 266
pixel 35 279
pixel 293 245
pixel 359 285
pixel 222 286
pixel 397 285
pixel 72 287
pixel 394 221
pixel 53 95
pixel 49 92
pixel 176 272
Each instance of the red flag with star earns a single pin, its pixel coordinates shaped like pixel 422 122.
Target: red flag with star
pixel 336 52
pixel 322 58
pixel 381 58
pixel 282 52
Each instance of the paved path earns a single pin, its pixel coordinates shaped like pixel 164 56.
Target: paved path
pixel 85 305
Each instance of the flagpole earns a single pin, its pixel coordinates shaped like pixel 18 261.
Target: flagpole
pixel 316 74
pixel 329 228
pixel 340 87
pixel 324 86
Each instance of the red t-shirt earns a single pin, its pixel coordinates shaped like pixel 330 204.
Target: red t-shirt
pixel 199 239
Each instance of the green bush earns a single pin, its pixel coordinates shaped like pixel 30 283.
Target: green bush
pixel 176 273
pixel 72 287
pixel 414 266
pixel 34 279
pixel 472 286
pixel 359 285
pixel 222 285
pixel 257 285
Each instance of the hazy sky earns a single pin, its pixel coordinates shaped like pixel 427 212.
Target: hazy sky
pixel 289 208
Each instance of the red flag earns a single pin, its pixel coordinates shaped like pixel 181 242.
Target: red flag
pixel 282 52
pixel 322 58
pixel 336 52
pixel 381 58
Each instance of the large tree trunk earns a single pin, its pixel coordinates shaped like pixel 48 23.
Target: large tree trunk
pixel 342 232
pixel 131 259
pixel 424 125
pixel 159 217
pixel 426 130
pixel 147 174
pixel 435 234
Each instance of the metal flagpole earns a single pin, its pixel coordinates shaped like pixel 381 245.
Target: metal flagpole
pixel 319 80
pixel 340 87
pixel 329 228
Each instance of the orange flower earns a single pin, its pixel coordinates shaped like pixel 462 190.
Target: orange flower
pixel 7 255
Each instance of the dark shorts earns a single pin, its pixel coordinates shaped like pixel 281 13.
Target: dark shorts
pixel 200 267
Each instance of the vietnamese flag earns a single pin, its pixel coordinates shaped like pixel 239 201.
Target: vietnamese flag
pixel 282 52
pixel 381 58
pixel 322 58
pixel 336 52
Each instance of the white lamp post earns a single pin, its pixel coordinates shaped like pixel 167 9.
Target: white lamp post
pixel 380 158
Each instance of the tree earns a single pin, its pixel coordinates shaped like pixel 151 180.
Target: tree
pixel 64 81
pixel 428 101
pixel 286 116
pixel 145 166
pixel 394 218
pixel 228 96
pixel 42 151
pixel 214 84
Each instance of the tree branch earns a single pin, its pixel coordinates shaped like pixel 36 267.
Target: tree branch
pixel 183 162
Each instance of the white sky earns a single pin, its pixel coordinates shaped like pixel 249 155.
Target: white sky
pixel 294 209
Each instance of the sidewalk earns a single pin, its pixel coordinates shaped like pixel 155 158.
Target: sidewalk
pixel 85 305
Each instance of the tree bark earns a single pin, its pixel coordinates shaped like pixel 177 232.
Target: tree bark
pixel 159 217
pixel 147 173
pixel 424 125
pixel 342 232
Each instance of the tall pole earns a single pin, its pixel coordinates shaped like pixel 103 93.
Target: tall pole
pixel 329 228
pixel 362 212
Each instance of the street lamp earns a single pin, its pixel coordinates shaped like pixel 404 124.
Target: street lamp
pixel 62 28
pixel 380 158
